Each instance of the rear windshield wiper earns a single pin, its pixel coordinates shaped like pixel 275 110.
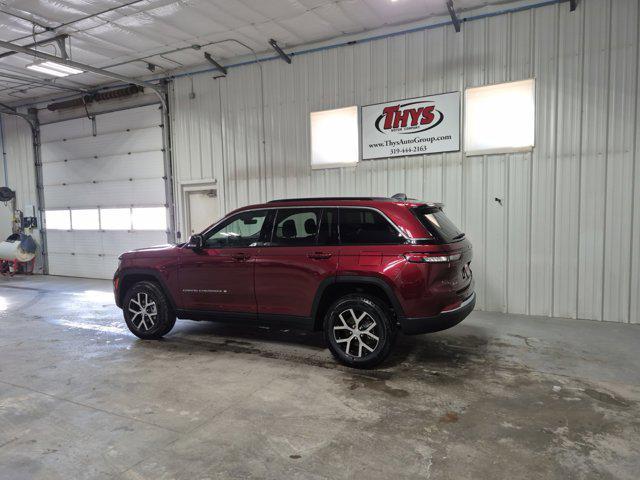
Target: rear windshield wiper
pixel 458 237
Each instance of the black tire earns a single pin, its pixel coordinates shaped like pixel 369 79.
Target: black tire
pixel 158 318
pixel 353 346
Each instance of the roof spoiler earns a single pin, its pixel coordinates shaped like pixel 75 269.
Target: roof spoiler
pixel 402 197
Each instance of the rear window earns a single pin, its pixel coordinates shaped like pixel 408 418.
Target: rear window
pixel 438 224
pixel 366 227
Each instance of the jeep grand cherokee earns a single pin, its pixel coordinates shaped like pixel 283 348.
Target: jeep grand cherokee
pixel 359 269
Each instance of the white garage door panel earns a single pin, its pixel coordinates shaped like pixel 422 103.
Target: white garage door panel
pixel 106 194
pixel 136 118
pixel 77 241
pixel 79 127
pixel 87 266
pixel 111 243
pixel 120 167
pixel 116 242
pixel 94 254
pixel 141 140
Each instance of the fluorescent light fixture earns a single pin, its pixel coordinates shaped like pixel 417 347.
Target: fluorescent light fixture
pixel 54 68
pixel 500 118
pixel 334 138
pixel 39 68
pixel 62 67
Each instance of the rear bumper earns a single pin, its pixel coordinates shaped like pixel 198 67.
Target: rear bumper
pixel 442 321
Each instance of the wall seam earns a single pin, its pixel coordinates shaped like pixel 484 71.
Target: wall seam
pixel 633 164
pixel 555 167
pixel 606 161
pixel 582 54
pixel 507 175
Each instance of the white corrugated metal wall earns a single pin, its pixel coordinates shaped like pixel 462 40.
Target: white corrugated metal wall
pixel 562 242
pixel 18 147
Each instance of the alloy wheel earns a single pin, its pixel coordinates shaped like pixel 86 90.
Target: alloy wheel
pixel 356 332
pixel 144 310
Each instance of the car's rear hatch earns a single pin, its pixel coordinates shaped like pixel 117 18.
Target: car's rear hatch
pixel 449 251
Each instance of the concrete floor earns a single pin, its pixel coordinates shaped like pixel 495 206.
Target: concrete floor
pixel 499 396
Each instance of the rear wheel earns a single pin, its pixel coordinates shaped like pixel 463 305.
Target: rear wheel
pixel 147 311
pixel 359 331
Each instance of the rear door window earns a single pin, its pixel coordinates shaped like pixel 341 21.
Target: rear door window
pixel 438 224
pixel 296 227
pixel 360 226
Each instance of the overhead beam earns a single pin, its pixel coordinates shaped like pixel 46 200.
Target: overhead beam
pixel 80 66
pixel 214 63
pixel 7 107
pixel 30 20
pixel 57 38
pixel 454 16
pixel 63 48
pixel 279 51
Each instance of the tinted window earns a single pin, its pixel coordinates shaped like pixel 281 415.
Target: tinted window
pixel 366 227
pixel 296 226
pixel 242 230
pixel 438 224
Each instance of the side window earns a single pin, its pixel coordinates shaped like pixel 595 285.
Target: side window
pixel 366 227
pixel 328 230
pixel 296 227
pixel 241 230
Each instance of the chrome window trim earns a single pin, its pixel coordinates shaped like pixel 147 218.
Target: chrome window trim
pixel 403 234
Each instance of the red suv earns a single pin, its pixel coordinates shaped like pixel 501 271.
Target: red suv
pixel 360 269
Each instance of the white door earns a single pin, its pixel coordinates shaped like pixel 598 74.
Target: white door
pixel 103 190
pixel 202 209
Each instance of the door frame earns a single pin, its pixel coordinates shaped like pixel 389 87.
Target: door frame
pixel 192 186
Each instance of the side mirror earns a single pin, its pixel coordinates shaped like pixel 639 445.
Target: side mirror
pixel 195 242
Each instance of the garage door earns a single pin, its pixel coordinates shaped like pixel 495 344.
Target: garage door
pixel 103 190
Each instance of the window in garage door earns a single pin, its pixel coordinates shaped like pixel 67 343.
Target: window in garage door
pixel 110 185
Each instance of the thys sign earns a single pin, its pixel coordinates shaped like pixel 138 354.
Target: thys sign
pixel 414 126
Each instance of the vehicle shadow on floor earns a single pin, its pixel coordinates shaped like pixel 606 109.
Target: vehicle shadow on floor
pixel 450 348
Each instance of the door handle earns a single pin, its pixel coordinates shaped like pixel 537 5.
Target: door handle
pixel 240 257
pixel 319 255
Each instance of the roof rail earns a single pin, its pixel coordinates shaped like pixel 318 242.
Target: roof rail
pixel 398 197
pixel 313 199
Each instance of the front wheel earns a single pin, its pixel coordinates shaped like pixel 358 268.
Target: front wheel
pixel 359 330
pixel 147 311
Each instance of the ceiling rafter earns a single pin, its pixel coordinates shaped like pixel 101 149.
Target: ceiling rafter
pixel 97 36
pixel 65 24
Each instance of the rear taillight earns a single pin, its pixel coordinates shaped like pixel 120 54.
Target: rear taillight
pixel 430 258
